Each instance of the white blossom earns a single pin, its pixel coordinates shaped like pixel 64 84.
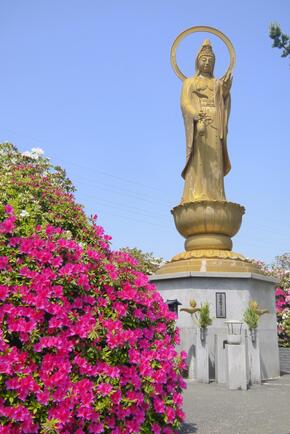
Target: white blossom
pixel 27 154
pixel 24 213
pixel 35 153
pixel 68 235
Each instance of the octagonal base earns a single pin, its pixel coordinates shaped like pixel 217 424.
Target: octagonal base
pixel 208 261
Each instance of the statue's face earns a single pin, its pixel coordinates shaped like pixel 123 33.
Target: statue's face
pixel 206 64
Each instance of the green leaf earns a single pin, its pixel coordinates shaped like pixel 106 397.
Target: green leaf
pixel 49 427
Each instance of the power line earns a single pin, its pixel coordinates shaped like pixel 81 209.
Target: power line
pixel 123 207
pixel 116 190
pixel 110 187
pixel 130 181
pixel 137 220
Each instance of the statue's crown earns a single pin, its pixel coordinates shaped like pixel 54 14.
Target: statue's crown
pixel 206 49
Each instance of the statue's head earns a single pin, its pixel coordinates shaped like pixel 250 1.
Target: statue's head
pixel 205 59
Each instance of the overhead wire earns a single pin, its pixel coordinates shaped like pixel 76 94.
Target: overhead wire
pixel 84 179
pixel 121 207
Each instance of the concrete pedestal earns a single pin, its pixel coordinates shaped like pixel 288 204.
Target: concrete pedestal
pixel 253 358
pixel 236 367
pixel 220 358
pixel 202 363
pixel 239 288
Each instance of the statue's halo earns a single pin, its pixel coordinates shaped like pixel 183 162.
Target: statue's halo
pixel 198 29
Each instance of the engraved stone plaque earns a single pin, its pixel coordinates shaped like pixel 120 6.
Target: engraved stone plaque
pixel 220 303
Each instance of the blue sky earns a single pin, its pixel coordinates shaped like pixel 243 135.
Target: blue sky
pixel 90 82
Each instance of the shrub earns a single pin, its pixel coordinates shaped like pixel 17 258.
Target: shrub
pixel 41 194
pixel 86 342
pixel 146 261
pixel 282 294
pixel 281 271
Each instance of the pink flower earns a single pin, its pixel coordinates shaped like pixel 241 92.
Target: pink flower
pixel 83 282
pixel 116 397
pixel 120 308
pixel 156 429
pixel 93 254
pixel 43 397
pixel 104 388
pixel 180 414
pixel 170 414
pixel 9 210
pixel 8 225
pixel 133 395
pixel 280 304
pixel 24 386
pixel 134 355
pixel 279 291
pixel 159 406
pixel 3 262
pixel 112 271
pixel 60 412
pixel 4 291
pixel 96 428
pixel 51 230
pixel 141 279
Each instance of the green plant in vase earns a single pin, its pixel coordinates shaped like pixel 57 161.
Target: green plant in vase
pixel 204 316
pixel 251 317
pixel 204 319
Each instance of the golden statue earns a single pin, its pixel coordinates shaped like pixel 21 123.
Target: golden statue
pixel 204 217
pixel 205 104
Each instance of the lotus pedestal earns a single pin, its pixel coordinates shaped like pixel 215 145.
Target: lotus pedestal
pixel 208 227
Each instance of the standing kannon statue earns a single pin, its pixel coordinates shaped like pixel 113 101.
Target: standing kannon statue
pixel 205 104
pixel 204 217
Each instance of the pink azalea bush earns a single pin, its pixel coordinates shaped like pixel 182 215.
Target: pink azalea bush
pixel 281 271
pixel 86 342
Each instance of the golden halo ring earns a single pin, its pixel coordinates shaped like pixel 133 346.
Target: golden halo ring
pixel 198 29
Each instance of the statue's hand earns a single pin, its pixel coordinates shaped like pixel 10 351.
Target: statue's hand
pixel 200 127
pixel 227 84
pixel 199 116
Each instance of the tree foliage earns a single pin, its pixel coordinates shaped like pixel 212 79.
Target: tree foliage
pixel 280 40
pixel 145 261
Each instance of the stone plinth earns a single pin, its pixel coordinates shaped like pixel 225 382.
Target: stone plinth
pixel 236 367
pixel 254 359
pixel 239 289
pixel 220 358
pixel 202 363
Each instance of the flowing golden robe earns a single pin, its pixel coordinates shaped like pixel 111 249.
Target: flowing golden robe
pixel 207 160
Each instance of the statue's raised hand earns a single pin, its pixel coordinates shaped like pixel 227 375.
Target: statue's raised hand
pixel 227 83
